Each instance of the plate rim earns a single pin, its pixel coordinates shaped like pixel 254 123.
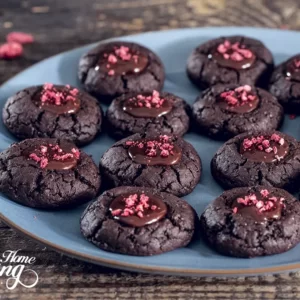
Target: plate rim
pixel 136 35
pixel 117 264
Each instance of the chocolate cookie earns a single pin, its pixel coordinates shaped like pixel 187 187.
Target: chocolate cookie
pixel 153 113
pixel 224 111
pixel 253 221
pixel 48 173
pixel 138 221
pixel 166 163
pixel 266 158
pixel 53 111
pixel 233 59
pixel 285 84
pixel 115 68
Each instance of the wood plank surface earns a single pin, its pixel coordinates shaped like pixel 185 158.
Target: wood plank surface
pixel 63 25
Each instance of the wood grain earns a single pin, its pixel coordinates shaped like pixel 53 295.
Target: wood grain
pixel 63 25
pixel 65 278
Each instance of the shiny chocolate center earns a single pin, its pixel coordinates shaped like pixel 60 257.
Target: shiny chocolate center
pixel 240 100
pixel 159 151
pixel 138 210
pixel 293 69
pixel 57 99
pixel 121 61
pixel 147 105
pixel 53 157
pixel 258 207
pixel 264 148
pixel 234 56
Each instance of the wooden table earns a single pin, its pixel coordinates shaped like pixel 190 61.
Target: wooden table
pixel 62 25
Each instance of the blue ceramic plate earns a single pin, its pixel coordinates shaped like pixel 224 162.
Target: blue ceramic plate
pixel 60 230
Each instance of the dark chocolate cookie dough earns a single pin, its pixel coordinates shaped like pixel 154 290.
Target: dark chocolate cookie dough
pixel 265 158
pixel 252 221
pixel 152 223
pixel 232 59
pixel 285 84
pixel 166 163
pixel 224 111
pixel 115 68
pixel 160 113
pixel 53 111
pixel 48 173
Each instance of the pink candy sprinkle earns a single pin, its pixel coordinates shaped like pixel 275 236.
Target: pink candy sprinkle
pixel 76 153
pixel 123 53
pixel 152 147
pixel 34 157
pixel 51 95
pixel 262 143
pixel 275 137
pixel 264 193
pixel 120 53
pixel 247 143
pixel 239 96
pixel 112 59
pixel 134 204
pixel 152 101
pixel 44 162
pixel 266 143
pixel 43 155
pixel 140 214
pixel 111 72
pixel 235 51
pixel 11 50
pixel 265 204
pixel 20 37
pixel 48 86
pixel 116 212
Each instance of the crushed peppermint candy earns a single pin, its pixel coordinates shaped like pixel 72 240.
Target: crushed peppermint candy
pixel 264 143
pixel 238 97
pixel 235 51
pixel 134 205
pixel 51 95
pixel 20 37
pixel 13 47
pixel 164 146
pixel 11 50
pixel 262 201
pixel 151 101
pixel 44 154
pixel 122 53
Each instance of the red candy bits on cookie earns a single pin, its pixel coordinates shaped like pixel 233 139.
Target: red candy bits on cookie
pixel 138 209
pixel 54 157
pixel 239 100
pixel 58 99
pixel 159 151
pixel 147 106
pixel 51 95
pixel 260 206
pixel 123 60
pixel 264 148
pixel 233 55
